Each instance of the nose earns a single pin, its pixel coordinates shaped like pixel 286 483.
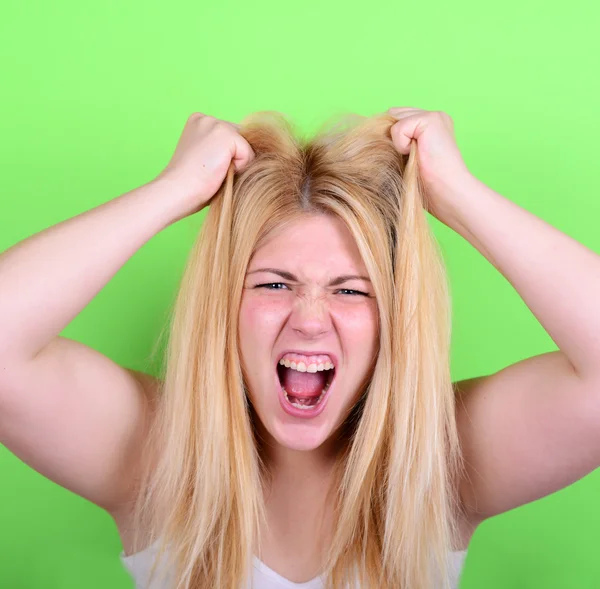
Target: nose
pixel 310 316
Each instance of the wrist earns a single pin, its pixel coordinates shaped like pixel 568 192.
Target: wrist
pixel 451 197
pixel 172 203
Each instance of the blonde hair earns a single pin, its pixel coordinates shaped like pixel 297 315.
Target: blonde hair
pixel 397 506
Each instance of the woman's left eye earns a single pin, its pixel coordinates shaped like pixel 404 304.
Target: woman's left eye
pixel 352 292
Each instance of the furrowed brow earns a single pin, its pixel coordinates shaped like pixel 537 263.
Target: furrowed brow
pixel 282 273
pixel 341 279
pixel 289 276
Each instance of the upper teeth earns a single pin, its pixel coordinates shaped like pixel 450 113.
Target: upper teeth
pixel 303 367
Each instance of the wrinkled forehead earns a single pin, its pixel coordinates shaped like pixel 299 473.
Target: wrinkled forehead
pixel 318 245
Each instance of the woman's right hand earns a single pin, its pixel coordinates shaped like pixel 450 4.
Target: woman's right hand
pixel 205 150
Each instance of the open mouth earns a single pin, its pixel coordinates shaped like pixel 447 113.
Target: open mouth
pixel 305 381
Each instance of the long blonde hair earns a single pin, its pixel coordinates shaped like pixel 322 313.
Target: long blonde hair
pixel 397 502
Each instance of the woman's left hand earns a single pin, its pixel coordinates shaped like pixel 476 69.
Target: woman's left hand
pixel 441 166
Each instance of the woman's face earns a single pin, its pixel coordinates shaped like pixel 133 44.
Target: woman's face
pixel 308 330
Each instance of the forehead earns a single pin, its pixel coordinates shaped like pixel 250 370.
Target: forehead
pixel 310 242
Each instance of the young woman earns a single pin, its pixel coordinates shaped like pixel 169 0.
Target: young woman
pixel 306 431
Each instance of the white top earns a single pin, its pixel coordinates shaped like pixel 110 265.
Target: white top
pixel 140 564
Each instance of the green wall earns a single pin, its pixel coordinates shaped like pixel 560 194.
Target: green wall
pixel 94 96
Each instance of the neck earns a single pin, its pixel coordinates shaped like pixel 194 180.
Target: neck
pixel 294 465
pixel 288 467
pixel 299 500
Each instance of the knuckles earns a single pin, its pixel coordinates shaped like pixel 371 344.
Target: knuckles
pixel 207 124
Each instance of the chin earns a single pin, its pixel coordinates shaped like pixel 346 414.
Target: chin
pixel 300 437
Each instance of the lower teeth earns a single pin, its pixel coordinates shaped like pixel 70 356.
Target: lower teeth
pixel 303 406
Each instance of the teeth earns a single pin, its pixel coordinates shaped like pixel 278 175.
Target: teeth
pixel 302 367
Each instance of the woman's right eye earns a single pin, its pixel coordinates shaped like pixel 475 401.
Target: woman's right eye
pixel 272 285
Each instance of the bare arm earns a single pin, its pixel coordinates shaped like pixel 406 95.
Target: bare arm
pixel 532 428
pixel 47 279
pixel 79 419
pixel 526 431
pixel 69 412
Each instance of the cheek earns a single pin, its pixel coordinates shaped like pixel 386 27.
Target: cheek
pixel 258 314
pixel 359 337
pixel 260 322
pixel 358 324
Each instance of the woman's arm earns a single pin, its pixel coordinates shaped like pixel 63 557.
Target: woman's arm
pixel 47 279
pixel 557 277
pixel 65 409
pixel 69 412
pixel 533 427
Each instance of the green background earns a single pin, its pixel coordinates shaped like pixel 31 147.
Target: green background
pixel 95 95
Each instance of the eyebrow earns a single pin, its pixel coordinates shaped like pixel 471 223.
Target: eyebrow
pixel 289 276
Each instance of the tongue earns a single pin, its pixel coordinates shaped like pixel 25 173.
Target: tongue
pixel 303 384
